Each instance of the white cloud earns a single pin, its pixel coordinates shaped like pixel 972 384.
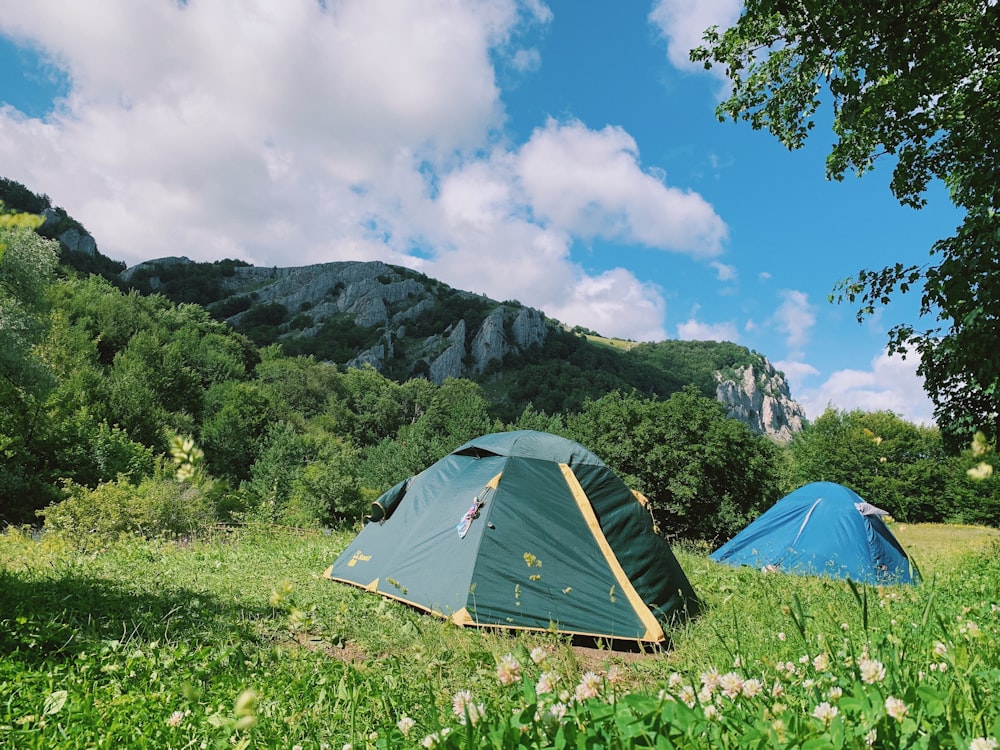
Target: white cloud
pixel 683 23
pixel 695 330
pixel 591 183
pixel 892 384
pixel 724 272
pixel 298 132
pixel 795 318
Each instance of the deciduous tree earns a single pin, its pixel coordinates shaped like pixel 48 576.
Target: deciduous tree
pixel 917 82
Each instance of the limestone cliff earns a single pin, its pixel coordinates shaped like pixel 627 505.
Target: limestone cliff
pixel 759 396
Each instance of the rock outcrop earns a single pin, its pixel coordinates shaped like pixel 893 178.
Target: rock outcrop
pixel 759 396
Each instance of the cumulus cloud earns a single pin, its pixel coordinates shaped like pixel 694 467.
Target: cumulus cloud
pixel 892 384
pixel 724 272
pixel 682 23
pixel 302 132
pixel 695 330
pixel 795 318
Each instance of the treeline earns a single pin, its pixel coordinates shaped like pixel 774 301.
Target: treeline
pixel 129 413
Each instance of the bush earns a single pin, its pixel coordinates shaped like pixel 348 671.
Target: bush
pixel 156 507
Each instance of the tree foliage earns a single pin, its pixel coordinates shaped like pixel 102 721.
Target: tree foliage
pixel 705 476
pixel 918 82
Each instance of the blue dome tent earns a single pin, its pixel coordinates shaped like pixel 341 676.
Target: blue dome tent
pixel 822 529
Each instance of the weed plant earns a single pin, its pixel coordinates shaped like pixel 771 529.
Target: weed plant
pixel 236 640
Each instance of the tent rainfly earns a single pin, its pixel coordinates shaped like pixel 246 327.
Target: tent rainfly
pixel 822 529
pixel 522 530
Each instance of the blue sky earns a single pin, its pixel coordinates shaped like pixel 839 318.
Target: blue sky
pixel 564 154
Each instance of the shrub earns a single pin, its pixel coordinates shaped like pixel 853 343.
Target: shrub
pixel 156 507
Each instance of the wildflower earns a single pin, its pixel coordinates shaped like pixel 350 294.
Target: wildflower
pixel 872 671
pixel 705 695
pixel 405 724
pixel 687 696
pixel 940 649
pixel 347 746
pixel 825 712
pixel 752 687
pixel 465 709
pixel 942 666
pixel 558 710
pixel 871 737
pixel 779 728
pixel 984 743
pixel 538 654
pixel 844 626
pixel 616 676
pixel 821 663
pixel 711 712
pixel 710 680
pixel 835 693
pixel 508 670
pixel 970 629
pixel 589 686
pixel 895 708
pixel 546 683
pixel 808 683
pixel 777 689
pixel 731 684
pixel 782 637
pixel 675 680
pixel 175 719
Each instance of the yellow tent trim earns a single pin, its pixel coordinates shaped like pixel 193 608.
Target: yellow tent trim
pixel 373 586
pixel 462 617
pixel 328 573
pixel 654 632
pixel 492 484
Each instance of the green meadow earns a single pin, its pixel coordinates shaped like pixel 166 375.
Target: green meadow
pixel 236 640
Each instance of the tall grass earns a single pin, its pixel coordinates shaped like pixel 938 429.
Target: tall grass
pixel 236 641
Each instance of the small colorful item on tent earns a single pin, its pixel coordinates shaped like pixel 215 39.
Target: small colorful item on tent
pixel 822 529
pixel 553 541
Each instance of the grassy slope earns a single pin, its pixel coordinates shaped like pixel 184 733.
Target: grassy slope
pixel 137 633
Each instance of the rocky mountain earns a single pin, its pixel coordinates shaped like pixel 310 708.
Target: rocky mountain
pixel 405 324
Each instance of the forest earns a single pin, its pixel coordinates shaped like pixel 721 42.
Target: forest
pixel 131 413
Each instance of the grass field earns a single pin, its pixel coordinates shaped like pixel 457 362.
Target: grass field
pixel 237 641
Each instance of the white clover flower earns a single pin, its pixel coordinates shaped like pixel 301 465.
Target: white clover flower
pixel 984 743
pixel 835 693
pixel 940 649
pixel 616 675
pixel 675 680
pixel 539 654
pixel 546 683
pixel 777 689
pixel 406 724
pixel 508 670
pixel 821 663
pixel 731 684
pixel 175 719
pixel 895 708
pixel 752 687
pixel 870 737
pixel 465 708
pixel 942 666
pixel 710 679
pixel 872 671
pixel 782 637
pixel 688 697
pixel 711 712
pixel 825 712
pixel 589 687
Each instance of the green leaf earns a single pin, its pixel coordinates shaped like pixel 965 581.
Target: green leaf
pixel 54 702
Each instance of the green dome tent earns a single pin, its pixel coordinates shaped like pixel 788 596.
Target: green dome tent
pixel 522 530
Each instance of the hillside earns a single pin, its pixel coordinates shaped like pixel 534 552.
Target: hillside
pixel 406 324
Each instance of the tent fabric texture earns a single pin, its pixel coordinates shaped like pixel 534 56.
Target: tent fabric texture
pixel 523 530
pixel 822 529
